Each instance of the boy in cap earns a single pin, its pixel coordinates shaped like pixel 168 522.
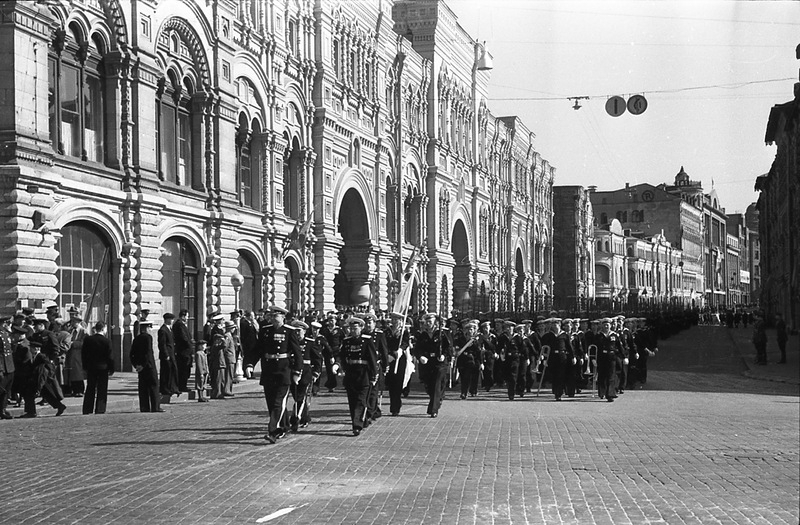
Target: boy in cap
pixel 201 370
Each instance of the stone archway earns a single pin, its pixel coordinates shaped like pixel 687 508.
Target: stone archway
pixel 352 281
pixel 462 294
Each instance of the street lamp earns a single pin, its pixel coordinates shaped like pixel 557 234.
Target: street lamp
pixel 237 280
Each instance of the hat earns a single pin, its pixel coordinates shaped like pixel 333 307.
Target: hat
pixel 315 324
pixel 542 321
pixel 48 305
pixel 278 310
pixel 297 323
pixel 19 329
pixel 217 317
pixel 236 313
pixel 355 320
pixel 370 316
pixel 469 322
pixel 430 315
pixel 486 323
pixel 40 320
pixel 168 316
pixel 145 323
pixel 526 321
pixel 5 319
pixel 27 311
pixel 229 325
pixel 595 321
pixel 508 322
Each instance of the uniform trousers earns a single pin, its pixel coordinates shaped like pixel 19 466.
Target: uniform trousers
pixel 149 398
pixel 96 396
pixel 276 393
pixel 512 371
pixel 469 378
pixel 435 379
pixel 358 386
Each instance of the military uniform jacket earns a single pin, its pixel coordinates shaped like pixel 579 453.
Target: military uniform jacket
pixel 142 352
pixel 510 347
pixel 397 349
pixel 96 353
pixel 608 350
pixel 280 353
pixel 312 358
pixel 6 353
pixel 488 349
pixel 359 360
pixel 433 346
pixel 560 346
pixel 471 356
pixel 628 344
pixel 381 347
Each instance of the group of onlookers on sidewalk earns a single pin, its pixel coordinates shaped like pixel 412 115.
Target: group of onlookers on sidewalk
pixel 760 337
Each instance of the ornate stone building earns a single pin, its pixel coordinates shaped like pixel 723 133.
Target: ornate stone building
pixel 241 153
pixel 779 214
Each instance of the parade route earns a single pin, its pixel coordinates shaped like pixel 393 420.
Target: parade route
pixel 701 443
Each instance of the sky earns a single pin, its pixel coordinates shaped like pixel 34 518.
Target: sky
pixel 709 70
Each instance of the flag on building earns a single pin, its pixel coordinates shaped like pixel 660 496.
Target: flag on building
pixel 297 239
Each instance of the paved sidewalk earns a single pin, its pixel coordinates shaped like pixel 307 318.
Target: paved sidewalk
pixel 772 371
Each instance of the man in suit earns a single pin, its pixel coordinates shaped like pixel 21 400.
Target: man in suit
pixel 184 356
pixel 168 384
pixel 6 365
pixel 144 362
pixel 98 365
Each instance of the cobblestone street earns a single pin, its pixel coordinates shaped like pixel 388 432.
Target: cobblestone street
pixel 701 443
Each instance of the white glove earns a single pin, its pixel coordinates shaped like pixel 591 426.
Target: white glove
pixel 335 368
pixel 527 362
pixel 423 360
pixel 441 359
pixel 248 371
pixel 625 361
pixel 574 360
pixel 636 356
pixel 296 377
pixel 482 367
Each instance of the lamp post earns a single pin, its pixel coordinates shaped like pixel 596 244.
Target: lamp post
pixel 237 280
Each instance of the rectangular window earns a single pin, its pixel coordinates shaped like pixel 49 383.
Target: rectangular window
pixel 168 143
pixel 245 177
pixel 70 114
pixel 93 119
pixel 335 60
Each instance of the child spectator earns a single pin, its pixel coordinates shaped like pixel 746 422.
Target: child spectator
pixel 201 371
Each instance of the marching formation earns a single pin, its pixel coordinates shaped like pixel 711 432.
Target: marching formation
pixel 371 353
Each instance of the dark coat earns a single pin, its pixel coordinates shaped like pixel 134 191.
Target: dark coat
pixel 96 353
pixel 182 338
pixel 168 384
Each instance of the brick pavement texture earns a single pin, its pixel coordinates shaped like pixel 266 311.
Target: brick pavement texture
pixel 693 447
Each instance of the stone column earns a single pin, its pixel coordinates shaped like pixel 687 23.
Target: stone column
pixel 326 265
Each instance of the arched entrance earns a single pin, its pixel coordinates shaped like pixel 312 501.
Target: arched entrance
pixel 351 283
pixel 462 295
pixel 180 280
pixel 519 283
pixel 85 279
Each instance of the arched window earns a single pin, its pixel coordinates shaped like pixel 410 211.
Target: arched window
pixel 175 134
pixel 250 293
pixel 76 95
pixel 292 173
pixel 336 52
pixel 180 280
pixel 84 272
pixel 249 161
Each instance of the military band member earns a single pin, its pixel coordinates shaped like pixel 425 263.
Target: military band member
pixel 560 357
pixel 468 357
pixel 608 350
pixel 535 350
pixel 360 371
pixel 488 354
pixel 398 345
pixel 278 349
pixel 310 371
pixel 382 356
pixel 433 349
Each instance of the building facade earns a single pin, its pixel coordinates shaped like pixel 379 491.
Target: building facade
pixel 779 214
pixel 573 248
pixel 739 277
pixel 715 232
pixel 674 211
pixel 754 253
pixel 243 153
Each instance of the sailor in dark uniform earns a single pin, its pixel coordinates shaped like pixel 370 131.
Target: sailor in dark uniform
pixel 278 349
pixel 433 349
pixel 311 370
pixel 360 371
pixel 397 343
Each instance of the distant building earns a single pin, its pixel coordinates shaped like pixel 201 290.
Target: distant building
pixel 716 241
pixel 738 260
pixel 754 252
pixel 573 248
pixel 674 210
pixel 611 266
pixel 779 213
